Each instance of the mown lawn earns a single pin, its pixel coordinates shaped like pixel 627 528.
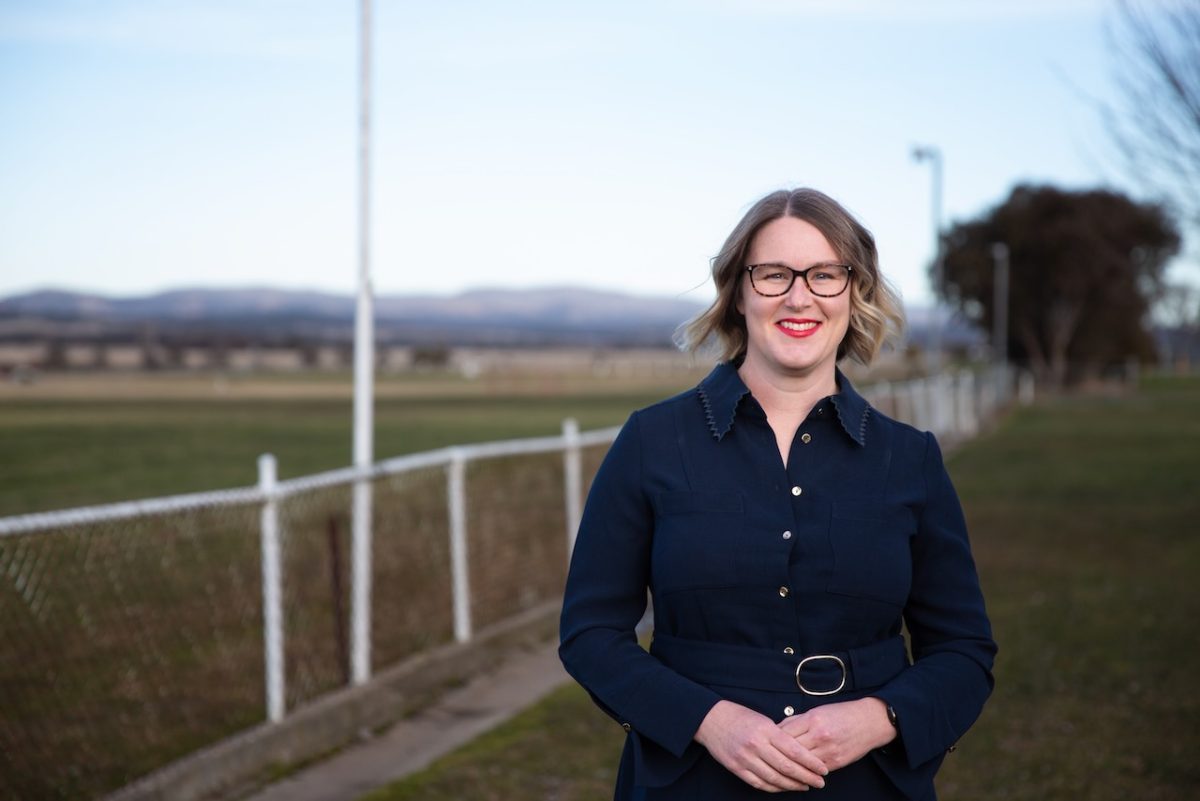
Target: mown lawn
pixel 77 449
pixel 131 643
pixel 1083 514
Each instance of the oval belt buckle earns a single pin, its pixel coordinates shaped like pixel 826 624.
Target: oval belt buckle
pixel 807 691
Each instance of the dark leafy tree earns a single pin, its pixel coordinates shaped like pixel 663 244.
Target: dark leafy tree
pixel 1085 269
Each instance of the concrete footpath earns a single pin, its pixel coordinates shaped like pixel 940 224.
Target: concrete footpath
pixel 412 744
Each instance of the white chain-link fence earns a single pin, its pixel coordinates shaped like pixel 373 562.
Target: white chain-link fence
pixel 133 634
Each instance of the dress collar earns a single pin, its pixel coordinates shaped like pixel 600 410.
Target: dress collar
pixel 722 391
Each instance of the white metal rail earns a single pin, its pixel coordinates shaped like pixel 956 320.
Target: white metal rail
pixel 948 405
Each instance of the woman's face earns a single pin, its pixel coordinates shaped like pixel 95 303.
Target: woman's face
pixel 798 333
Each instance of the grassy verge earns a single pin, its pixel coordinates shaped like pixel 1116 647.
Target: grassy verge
pixel 556 749
pixel 131 643
pixel 1083 515
pixel 89 444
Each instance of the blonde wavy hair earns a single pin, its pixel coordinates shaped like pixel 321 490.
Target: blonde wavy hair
pixel 875 311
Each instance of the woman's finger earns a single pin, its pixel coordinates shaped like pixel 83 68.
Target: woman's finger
pixel 797 762
pixel 762 775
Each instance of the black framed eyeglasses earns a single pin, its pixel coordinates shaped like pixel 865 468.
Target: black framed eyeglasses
pixel 823 280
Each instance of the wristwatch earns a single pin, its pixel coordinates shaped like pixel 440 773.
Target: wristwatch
pixel 892 719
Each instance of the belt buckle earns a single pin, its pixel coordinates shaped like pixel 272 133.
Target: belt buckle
pixel 807 659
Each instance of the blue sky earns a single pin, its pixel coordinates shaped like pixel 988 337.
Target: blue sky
pixel 148 145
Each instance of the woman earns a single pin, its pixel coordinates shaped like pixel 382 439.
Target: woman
pixel 785 530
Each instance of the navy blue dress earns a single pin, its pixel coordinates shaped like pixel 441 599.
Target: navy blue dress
pixel 754 568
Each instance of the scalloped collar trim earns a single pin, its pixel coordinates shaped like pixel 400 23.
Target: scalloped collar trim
pixel 720 393
pixel 723 389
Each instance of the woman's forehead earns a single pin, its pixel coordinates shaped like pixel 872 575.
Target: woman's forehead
pixel 789 240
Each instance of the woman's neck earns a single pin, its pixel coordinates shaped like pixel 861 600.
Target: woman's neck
pixel 787 398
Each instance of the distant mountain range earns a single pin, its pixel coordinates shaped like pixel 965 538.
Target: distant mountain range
pixel 503 317
pixel 481 316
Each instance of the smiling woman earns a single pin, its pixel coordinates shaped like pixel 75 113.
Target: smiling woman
pixel 786 531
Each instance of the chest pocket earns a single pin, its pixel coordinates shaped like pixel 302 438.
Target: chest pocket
pixel 697 540
pixel 871 552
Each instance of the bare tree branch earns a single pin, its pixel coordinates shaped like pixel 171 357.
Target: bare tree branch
pixel 1156 127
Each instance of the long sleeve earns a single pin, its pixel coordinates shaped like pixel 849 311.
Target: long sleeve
pixel 604 600
pixel 942 693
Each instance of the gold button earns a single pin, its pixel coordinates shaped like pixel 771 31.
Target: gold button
pixel 789 650
pixel 783 592
pixel 806 438
pixel 796 490
pixel 787 535
pixel 626 727
pixel 789 711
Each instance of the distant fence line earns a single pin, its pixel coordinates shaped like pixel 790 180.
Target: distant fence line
pixel 129 627
pixel 58 354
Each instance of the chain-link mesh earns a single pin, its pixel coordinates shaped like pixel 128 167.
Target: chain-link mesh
pixel 131 642
pixel 411 596
pixel 315 557
pixel 126 644
pixel 590 459
pixel 516 534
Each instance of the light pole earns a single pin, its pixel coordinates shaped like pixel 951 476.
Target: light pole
pixel 1000 318
pixel 933 155
pixel 364 378
pixel 1000 302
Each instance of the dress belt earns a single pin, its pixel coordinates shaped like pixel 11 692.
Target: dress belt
pixel 719 664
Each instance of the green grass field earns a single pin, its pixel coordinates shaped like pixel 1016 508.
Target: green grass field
pixel 89 444
pixel 1083 514
pixel 131 643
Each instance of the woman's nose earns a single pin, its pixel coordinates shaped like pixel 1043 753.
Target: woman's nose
pixel 799 295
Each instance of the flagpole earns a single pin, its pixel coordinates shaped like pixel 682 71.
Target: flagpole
pixel 364 363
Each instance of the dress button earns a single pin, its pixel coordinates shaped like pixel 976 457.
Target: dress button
pixel 787 535
pixel 789 711
pixel 796 490
pixel 783 592
pixel 789 650
pixel 806 438
pixel 626 727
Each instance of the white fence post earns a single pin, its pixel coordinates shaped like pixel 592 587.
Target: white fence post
pixel 968 422
pixel 360 558
pixel 573 479
pixel 461 580
pixel 887 399
pixel 1025 388
pixel 902 397
pixel 919 396
pixel 272 589
pixel 988 394
pixel 944 403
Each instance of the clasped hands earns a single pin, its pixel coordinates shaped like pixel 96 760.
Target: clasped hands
pixel 799 752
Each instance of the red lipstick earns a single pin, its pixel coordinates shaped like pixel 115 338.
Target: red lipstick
pixel 798 328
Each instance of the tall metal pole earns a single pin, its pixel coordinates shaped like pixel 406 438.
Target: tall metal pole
pixel 1000 320
pixel 933 155
pixel 1000 302
pixel 364 365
